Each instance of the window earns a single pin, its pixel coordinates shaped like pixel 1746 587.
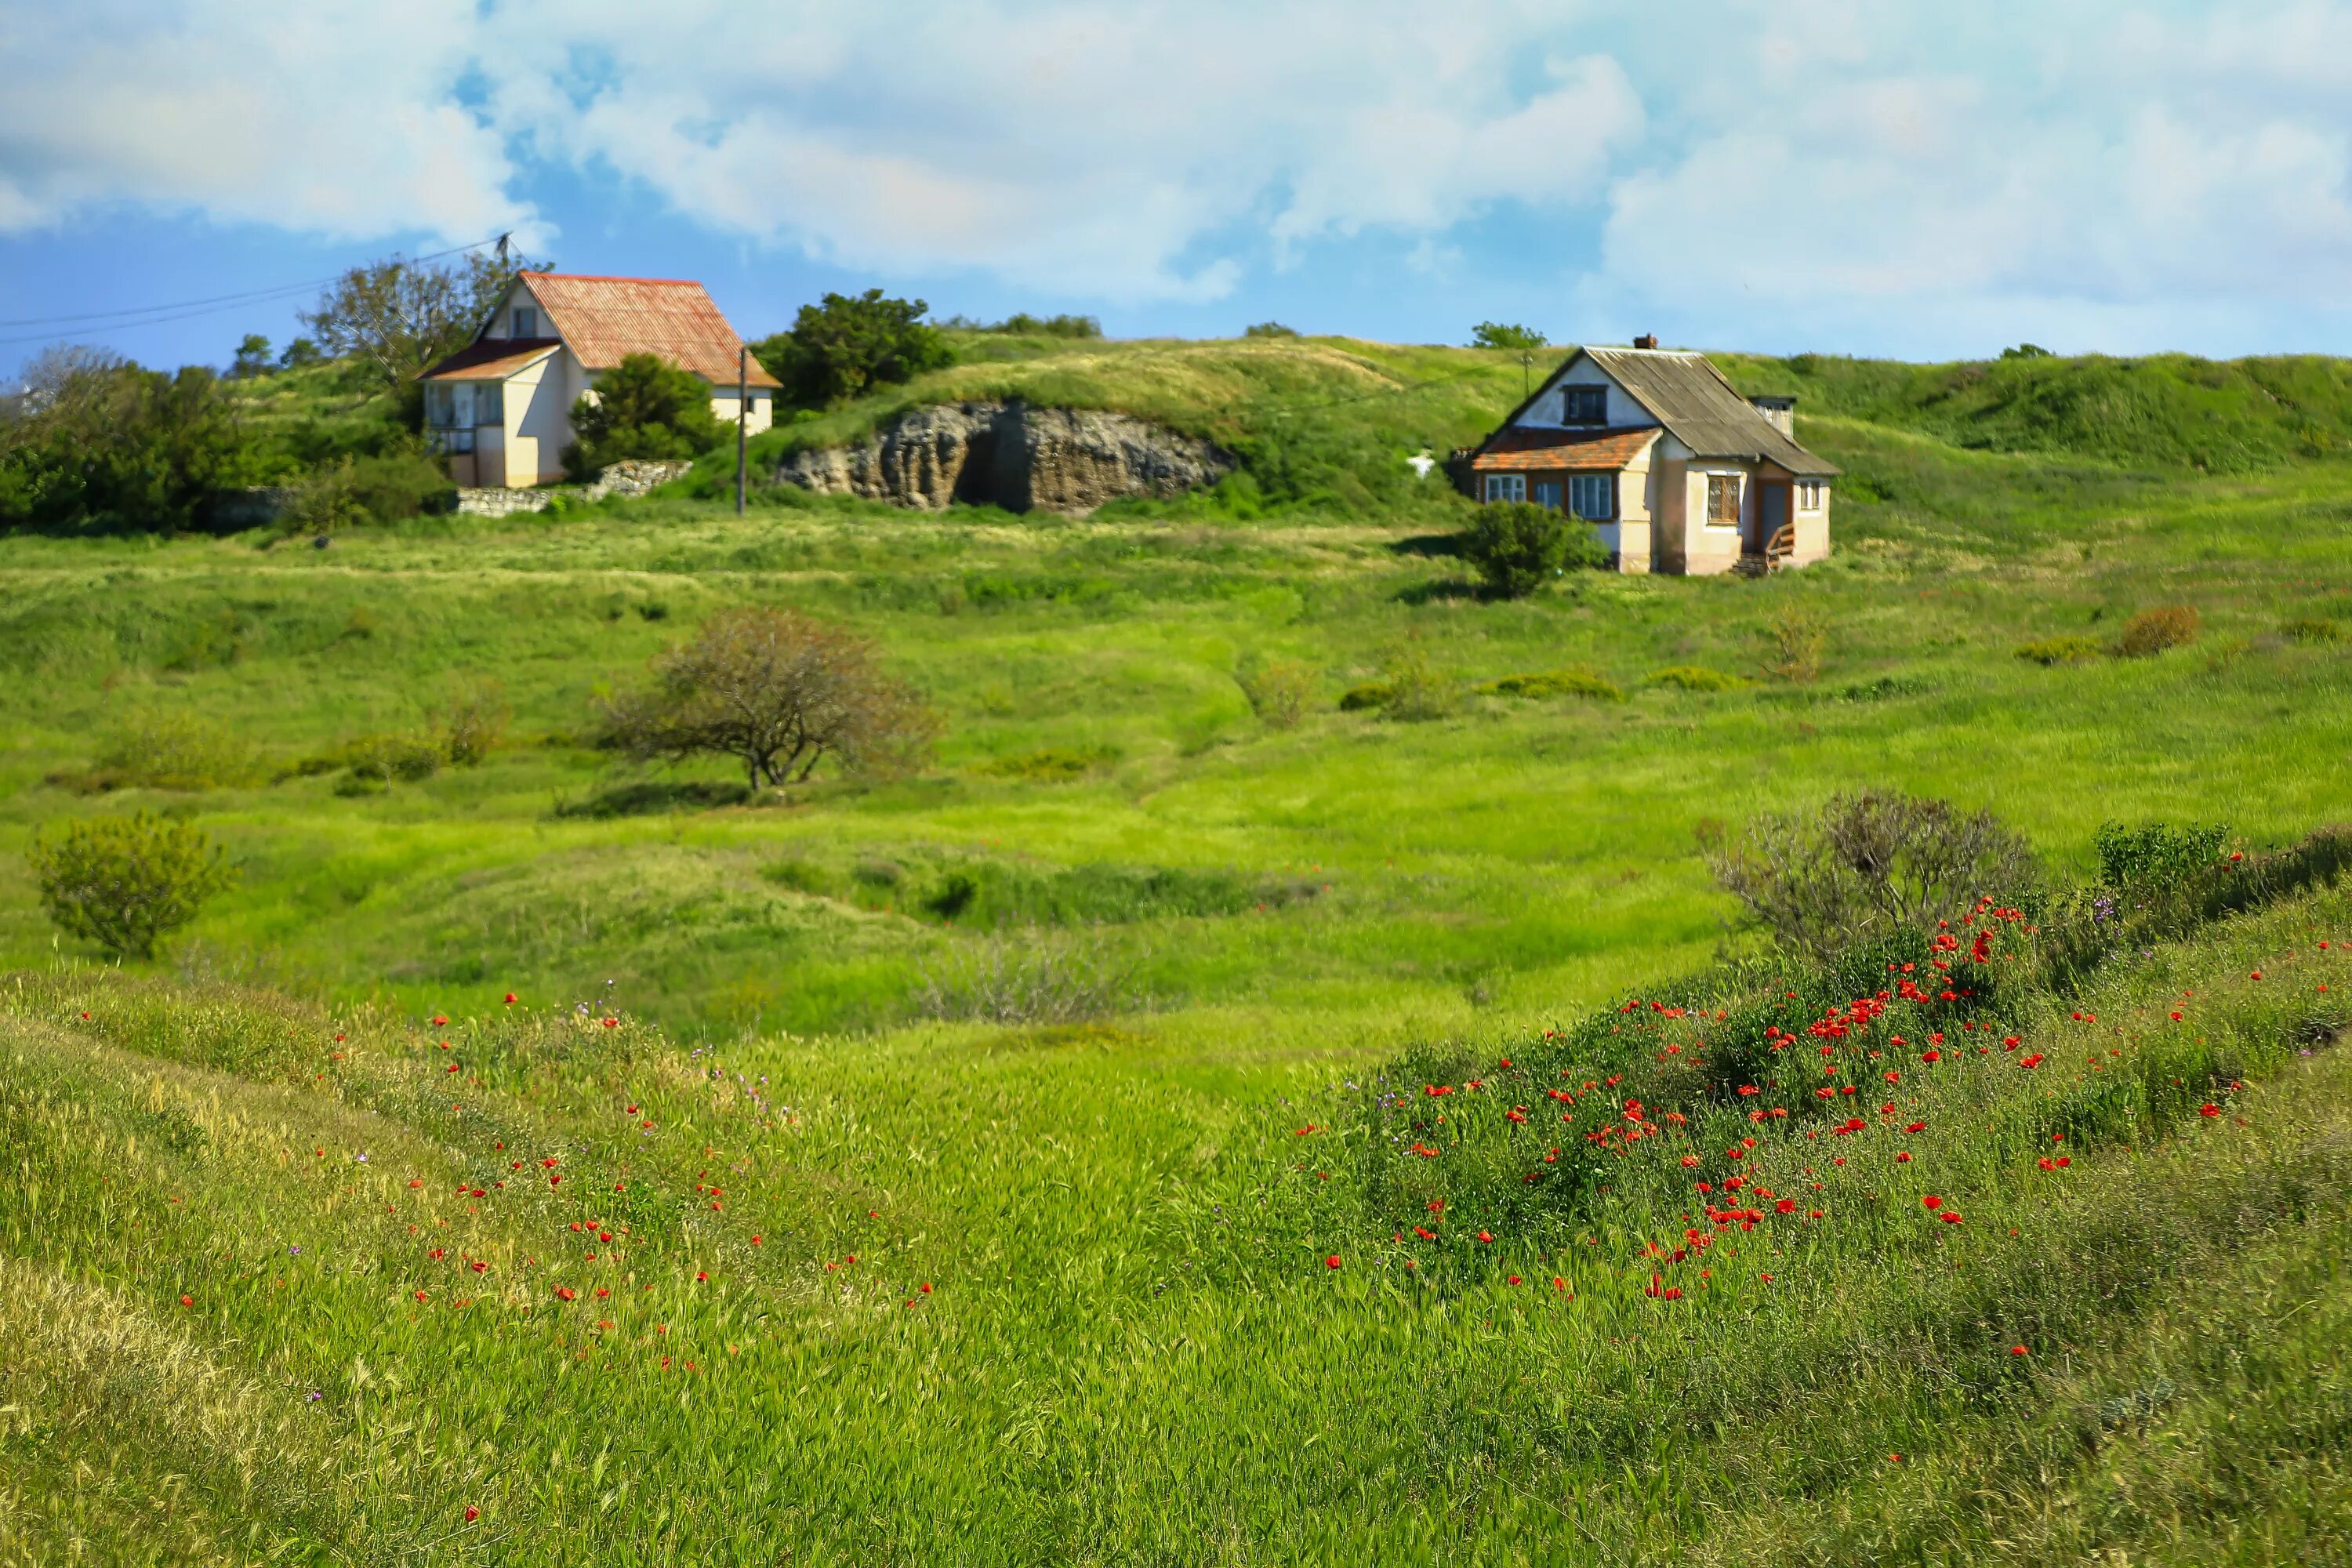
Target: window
pixel 526 322
pixel 1506 486
pixel 1593 497
pixel 489 403
pixel 1547 493
pixel 1723 500
pixel 1584 406
pixel 1809 495
pixel 439 413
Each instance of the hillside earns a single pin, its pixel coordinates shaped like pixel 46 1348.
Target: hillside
pixel 1121 1019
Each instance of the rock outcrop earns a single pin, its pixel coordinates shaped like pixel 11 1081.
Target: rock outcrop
pixel 1014 456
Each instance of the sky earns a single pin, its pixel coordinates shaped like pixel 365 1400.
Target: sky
pixel 1842 176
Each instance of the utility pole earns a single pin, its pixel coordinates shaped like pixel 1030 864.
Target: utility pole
pixel 1527 365
pixel 742 420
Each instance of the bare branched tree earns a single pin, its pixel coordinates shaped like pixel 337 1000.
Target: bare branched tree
pixel 399 316
pixel 779 692
pixel 1865 866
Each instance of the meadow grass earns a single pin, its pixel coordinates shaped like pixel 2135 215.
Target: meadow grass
pixel 1133 1348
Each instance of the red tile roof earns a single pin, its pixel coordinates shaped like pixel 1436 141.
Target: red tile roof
pixel 605 320
pixel 491 359
pixel 1519 448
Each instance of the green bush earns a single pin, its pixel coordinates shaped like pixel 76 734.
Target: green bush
pixel 2151 632
pixel 1517 546
pixel 1053 766
pixel 1279 690
pixel 2315 629
pixel 846 346
pixel 126 882
pixel 1365 698
pixel 2047 651
pixel 388 758
pixel 1269 330
pixel 1417 690
pixel 174 750
pixel 2156 854
pixel 1505 335
pixel 1696 677
pixel 382 487
pixel 643 407
pixel 1557 683
pixel 472 722
pixel 98 445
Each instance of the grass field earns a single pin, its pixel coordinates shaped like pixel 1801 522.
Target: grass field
pixel 1133 1347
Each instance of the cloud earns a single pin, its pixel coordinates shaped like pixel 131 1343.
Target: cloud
pixel 334 118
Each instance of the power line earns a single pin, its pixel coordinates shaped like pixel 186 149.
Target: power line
pixel 133 316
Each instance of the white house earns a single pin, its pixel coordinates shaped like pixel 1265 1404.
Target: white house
pixel 1676 469
pixel 502 406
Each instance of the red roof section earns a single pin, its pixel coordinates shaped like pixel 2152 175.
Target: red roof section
pixel 606 320
pixel 1519 448
pixel 491 359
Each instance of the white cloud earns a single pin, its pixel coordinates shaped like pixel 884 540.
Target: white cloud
pixel 331 118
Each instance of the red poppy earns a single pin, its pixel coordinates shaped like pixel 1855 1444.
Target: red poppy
pixel 2017 1350
pixel 1786 1205
pixel 187 1300
pixel 1932 1202
pixel 1486 1236
pixel 472 1513
pixel 2208 1108
pixel 510 997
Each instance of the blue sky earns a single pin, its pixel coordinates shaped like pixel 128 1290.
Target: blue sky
pixel 1805 174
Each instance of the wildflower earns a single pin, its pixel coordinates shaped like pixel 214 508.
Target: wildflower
pixel 1689 1161
pixel 2017 1350
pixel 187 1300
pixel 510 998
pixel 1931 1201
pixel 2208 1108
pixel 1515 1278
pixel 1557 1283
pixel 1902 1157
pixel 1487 1236
pixel 472 1513
pixel 2033 1061
pixel 1785 1205
pixel 1950 1217
pixel 1766 1279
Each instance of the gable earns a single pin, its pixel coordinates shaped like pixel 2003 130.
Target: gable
pixel 1546 409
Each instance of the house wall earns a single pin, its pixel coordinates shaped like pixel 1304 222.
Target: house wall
pixel 1670 518
pixel 763 407
pixel 1708 549
pixel 538 420
pixel 1812 542
pixel 1623 412
pixel 501 322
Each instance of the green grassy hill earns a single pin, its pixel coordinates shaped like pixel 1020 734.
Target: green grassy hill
pixel 1212 932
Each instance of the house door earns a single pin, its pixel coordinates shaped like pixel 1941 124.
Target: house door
pixel 1771 513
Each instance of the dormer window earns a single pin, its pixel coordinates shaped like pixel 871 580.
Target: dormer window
pixel 526 322
pixel 1584 406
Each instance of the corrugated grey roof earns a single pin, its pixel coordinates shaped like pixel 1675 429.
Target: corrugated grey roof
pixel 1691 398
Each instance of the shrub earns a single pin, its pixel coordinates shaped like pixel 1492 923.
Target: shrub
pixel 382 488
pixel 1864 867
pixel 1798 641
pixel 98 445
pixel 126 882
pixel 2152 631
pixel 2155 853
pixel 1696 678
pixel 779 692
pixel 1269 330
pixel 1024 980
pixel 387 758
pixel 1053 766
pixel 1558 683
pixel 2047 651
pixel 846 346
pixel 2313 629
pixel 1505 335
pixel 1517 546
pixel 1363 698
pixel 643 407
pixel 1416 690
pixel 171 750
pixel 473 721
pixel 1021 323
pixel 1279 690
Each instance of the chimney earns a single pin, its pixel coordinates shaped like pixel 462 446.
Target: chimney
pixel 1781 410
pixel 1646 341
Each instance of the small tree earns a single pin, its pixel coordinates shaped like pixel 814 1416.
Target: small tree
pixel 252 357
pixel 126 882
pixel 777 691
pixel 399 316
pixel 843 347
pixel 299 354
pixel 643 407
pixel 1269 330
pixel 1865 866
pixel 1505 335
pixel 1517 546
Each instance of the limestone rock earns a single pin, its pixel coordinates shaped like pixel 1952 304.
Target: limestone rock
pixel 1012 456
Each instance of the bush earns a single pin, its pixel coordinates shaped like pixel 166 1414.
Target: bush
pixel 2047 651
pixel 1517 546
pixel 2313 629
pixel 1055 764
pixel 643 407
pixel 1416 690
pixel 126 882
pixel 778 691
pixel 1363 698
pixel 2156 854
pixel 1558 683
pixel 1022 979
pixel 2152 631
pixel 1021 323
pixel 1866 868
pixel 1798 641
pixel 171 750
pixel 1269 330
pixel 388 758
pixel 1696 678
pixel 99 446
pixel 1505 335
pixel 1279 690
pixel 473 721
pixel 844 347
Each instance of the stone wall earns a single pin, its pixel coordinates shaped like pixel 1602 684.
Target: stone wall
pixel 627 478
pixel 498 501
pixel 1012 456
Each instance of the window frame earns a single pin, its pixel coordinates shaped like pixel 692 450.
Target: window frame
pixel 1512 486
pixel 1605 484
pixel 1811 494
pixel 1731 485
pixel 1550 492
pixel 524 314
pixel 1571 392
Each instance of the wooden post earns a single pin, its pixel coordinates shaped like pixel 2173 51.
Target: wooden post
pixel 742 420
